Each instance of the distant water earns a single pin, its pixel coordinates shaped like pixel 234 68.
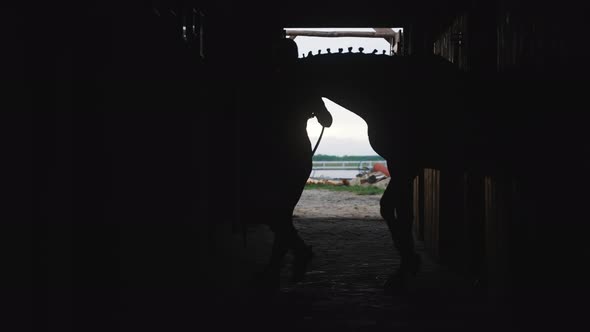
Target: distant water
pixel 334 174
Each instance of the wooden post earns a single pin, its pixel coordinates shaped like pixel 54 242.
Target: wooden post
pixel 416 207
pixel 401 48
pixel 431 211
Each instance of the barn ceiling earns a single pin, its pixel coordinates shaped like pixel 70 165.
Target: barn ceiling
pixel 344 13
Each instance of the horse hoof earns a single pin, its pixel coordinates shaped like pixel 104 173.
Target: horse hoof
pixel 300 263
pixel 267 280
pixel 399 281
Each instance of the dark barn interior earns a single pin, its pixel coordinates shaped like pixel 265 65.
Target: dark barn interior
pixel 114 114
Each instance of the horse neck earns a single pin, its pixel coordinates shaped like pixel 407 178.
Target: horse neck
pixel 359 83
pixel 349 102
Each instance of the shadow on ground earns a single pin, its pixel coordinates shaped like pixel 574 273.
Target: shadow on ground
pixel 343 289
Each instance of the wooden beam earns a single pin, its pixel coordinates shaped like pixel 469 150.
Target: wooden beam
pixel 335 34
pixel 394 37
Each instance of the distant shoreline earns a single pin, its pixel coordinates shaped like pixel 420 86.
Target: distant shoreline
pixel 325 157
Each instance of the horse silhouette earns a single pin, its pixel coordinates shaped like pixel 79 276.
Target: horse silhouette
pixel 414 109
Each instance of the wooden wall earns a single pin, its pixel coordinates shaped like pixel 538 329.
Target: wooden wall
pixel 451 43
pixel 498 213
pixel 524 60
pixel 429 199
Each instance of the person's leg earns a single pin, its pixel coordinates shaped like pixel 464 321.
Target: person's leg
pixel 284 234
pixel 287 238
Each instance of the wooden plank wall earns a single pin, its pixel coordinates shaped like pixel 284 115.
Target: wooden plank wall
pixel 431 192
pixel 418 206
pixel 451 229
pixel 450 44
pixel 473 220
pixel 497 221
pixel 464 224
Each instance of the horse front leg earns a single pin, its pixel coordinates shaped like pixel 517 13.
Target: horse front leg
pixel 396 209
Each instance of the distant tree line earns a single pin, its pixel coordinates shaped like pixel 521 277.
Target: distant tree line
pixel 325 157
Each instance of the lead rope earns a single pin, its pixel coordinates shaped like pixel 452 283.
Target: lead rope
pixel 318 142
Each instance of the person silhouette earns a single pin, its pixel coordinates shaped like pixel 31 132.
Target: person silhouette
pixel 292 102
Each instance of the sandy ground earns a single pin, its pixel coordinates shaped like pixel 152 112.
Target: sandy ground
pixel 319 203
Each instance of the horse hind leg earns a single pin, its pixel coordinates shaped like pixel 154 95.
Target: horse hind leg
pixel 396 209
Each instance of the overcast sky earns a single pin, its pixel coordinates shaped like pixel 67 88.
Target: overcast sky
pixel 348 134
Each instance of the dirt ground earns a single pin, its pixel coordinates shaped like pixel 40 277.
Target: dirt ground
pixel 332 204
pixel 343 287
